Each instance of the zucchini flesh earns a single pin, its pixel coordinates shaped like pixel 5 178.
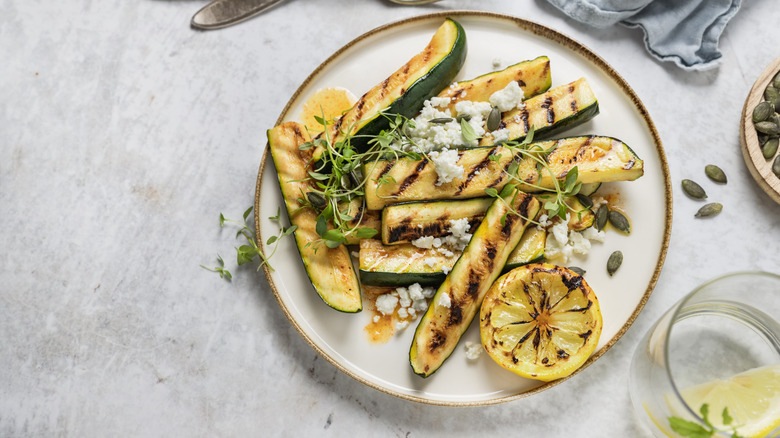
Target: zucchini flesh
pixel 482 261
pixel 402 265
pixel 361 218
pixel 550 113
pixel 533 77
pixel 404 92
pixel 529 250
pixel 403 223
pixel 330 270
pixel 598 159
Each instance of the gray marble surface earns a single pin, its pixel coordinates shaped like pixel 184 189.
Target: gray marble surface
pixel 124 133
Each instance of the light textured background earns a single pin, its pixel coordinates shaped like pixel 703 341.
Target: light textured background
pixel 124 134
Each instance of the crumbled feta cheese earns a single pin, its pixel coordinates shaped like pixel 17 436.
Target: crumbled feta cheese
pixel 385 303
pixel 580 245
pixel 445 269
pixel 400 325
pixel 473 350
pixel 415 292
pixel 444 300
pixel 412 312
pixel 440 101
pixel 473 109
pixel 507 98
pixel 402 312
pixel 429 292
pixel 591 233
pixel 430 261
pixel 403 297
pixel 446 164
pixel 427 242
pixel 500 135
pixel 420 305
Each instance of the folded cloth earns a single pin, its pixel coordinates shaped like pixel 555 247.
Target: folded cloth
pixel 683 31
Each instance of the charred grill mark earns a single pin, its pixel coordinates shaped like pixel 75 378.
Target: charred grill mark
pixel 384 171
pixel 545 69
pixel 574 107
pixel 437 340
pixel 490 250
pixel 475 221
pixel 474 171
pixel 586 335
pixel 524 118
pixel 537 338
pixel 456 316
pixel 548 105
pixel 506 229
pixel 521 83
pixel 358 213
pixel 400 231
pixel 409 180
pixel 502 124
pixel 473 288
pixel 629 165
pixel 571 283
pixel 562 354
pixel 523 207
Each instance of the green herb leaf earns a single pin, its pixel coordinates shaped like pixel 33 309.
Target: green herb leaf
pixel 322 226
pixel 571 179
pixel 492 192
pixel 727 419
pixel 271 240
pixel 688 428
pixel 365 232
pixel 274 218
pixel 318 176
pixel 468 133
pixel 507 190
pixel 249 210
pixel 494 157
pixel 221 220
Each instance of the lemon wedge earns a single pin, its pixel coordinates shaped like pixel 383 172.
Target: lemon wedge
pixel 752 399
pixel 540 321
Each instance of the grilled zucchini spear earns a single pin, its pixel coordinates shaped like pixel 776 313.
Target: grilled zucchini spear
pixel 598 159
pixel 330 269
pixel 447 318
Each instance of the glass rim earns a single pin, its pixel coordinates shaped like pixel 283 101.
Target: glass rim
pixel 667 336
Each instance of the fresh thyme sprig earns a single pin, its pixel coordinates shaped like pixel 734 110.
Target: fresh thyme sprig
pixel 250 251
pixel 695 430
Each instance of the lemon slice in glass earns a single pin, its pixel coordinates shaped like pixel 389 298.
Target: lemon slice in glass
pixel 752 399
pixel 540 321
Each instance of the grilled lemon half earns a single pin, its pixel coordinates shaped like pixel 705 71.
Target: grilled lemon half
pixel 540 321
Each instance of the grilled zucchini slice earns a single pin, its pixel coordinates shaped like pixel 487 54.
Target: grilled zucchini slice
pixel 330 270
pixel 598 159
pixel 529 250
pixel 403 223
pixel 550 113
pixel 404 92
pixel 402 265
pixel 447 318
pixel 532 76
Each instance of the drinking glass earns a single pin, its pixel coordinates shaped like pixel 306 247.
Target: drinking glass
pixel 723 328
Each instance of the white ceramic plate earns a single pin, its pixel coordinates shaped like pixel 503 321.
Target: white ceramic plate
pixel 366 61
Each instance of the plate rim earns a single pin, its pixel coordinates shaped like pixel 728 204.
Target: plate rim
pixel 556 37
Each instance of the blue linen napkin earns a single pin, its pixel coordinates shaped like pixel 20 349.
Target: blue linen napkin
pixel 683 31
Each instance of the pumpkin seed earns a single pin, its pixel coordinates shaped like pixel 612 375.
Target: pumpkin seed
pixel 461 117
pixel 776 166
pixel 710 209
pixel 762 138
pixel 770 148
pixel 345 182
pixel 584 200
pixel 776 81
pixel 619 221
pixel 762 111
pixel 767 127
pixel 715 173
pixel 692 189
pixel 601 217
pixel 577 270
pixel 441 120
pixel 770 93
pixel 614 262
pixel 317 200
pixel 493 119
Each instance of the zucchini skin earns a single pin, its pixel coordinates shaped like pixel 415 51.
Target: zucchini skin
pixel 395 279
pixel 330 270
pixel 366 117
pixel 441 328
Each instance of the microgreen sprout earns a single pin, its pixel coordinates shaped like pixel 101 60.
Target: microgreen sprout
pixel 695 430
